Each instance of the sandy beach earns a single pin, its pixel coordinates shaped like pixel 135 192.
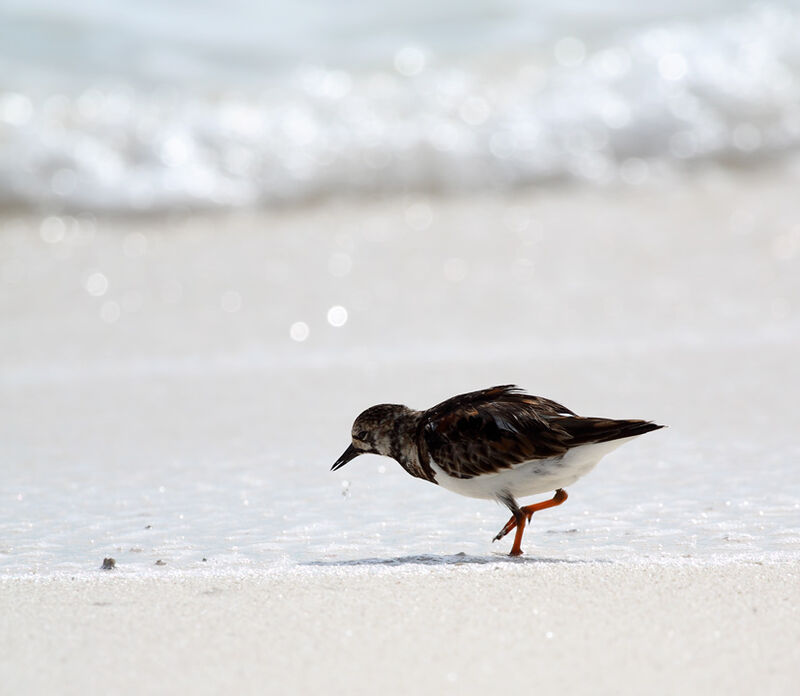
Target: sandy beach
pixel 185 424
pixel 456 627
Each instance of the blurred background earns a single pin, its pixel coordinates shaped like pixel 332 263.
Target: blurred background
pixel 109 106
pixel 226 228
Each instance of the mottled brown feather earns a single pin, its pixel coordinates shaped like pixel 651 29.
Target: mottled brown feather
pixel 494 429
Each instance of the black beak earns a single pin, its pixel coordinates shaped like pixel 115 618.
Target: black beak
pixel 350 453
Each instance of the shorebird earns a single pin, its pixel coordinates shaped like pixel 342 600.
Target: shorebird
pixel 498 444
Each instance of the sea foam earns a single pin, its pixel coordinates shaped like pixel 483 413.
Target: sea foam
pixel 131 109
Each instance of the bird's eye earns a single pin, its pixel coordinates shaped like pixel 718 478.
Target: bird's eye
pixel 362 435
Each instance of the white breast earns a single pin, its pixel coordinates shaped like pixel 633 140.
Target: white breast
pixel 531 477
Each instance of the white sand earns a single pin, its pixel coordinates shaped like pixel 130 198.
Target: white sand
pixel 467 629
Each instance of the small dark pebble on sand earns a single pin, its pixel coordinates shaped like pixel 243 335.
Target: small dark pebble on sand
pixel 109 564
pixel 204 560
pixel 160 562
pixel 149 526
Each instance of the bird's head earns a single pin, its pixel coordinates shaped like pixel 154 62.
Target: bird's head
pixel 376 431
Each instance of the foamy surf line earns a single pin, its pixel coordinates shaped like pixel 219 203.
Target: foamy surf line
pixel 418 564
pixel 631 102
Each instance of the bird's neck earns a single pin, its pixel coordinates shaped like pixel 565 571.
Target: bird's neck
pixel 401 442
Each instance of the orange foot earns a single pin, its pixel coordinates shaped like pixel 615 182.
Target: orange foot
pixel 525 514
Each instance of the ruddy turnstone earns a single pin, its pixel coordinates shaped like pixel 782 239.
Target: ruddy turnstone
pixel 498 443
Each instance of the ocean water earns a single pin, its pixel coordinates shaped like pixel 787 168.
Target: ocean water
pixel 147 470
pixel 118 106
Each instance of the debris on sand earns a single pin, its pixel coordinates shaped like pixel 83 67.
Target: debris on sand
pixel 108 564
pixel 160 562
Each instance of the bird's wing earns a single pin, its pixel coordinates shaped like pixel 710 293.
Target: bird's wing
pixel 492 429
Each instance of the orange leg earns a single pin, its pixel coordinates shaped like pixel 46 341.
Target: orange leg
pixel 516 549
pixel 525 513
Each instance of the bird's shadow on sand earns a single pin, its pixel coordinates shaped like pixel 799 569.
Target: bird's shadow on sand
pixel 448 560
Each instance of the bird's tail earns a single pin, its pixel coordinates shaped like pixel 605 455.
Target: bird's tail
pixel 583 431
